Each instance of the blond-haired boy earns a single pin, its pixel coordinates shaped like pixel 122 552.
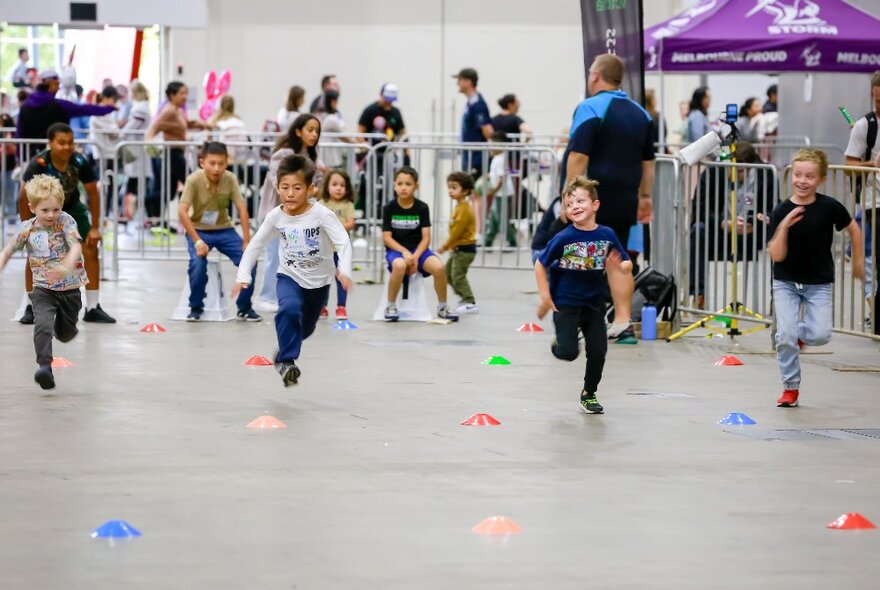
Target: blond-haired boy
pixel 55 256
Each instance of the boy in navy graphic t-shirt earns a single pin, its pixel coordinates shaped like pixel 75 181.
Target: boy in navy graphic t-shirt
pixel 571 278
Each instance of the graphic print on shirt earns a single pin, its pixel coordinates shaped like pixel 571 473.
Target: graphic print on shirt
pixel 302 247
pixel 47 247
pixel 405 221
pixel 585 255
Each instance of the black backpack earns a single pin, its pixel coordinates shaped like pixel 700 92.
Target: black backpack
pixel 869 147
pixel 656 288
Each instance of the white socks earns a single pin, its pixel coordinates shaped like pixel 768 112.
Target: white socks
pixel 92 298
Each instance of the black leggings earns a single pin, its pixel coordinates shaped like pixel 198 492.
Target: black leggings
pixel 589 319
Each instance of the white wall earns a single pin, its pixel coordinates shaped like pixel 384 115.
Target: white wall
pixel 144 13
pixel 531 48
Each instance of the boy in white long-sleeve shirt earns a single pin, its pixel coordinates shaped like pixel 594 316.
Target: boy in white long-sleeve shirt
pixel 308 231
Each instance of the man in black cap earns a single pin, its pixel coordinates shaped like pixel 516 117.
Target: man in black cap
pixel 476 124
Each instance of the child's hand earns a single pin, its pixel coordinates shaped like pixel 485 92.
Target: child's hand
pixel 441 250
pixel 544 306
pixel 93 237
pixel 793 217
pixel 858 268
pixel 345 280
pixel 236 289
pixel 201 249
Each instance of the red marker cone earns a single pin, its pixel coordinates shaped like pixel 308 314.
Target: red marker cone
pixel 153 328
pixel 728 361
pixel 60 361
pixel 481 420
pixel 497 525
pixel 530 328
pixel 266 423
pixel 258 361
pixel 851 521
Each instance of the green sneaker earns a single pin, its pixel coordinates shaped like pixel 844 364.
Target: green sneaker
pixel 590 404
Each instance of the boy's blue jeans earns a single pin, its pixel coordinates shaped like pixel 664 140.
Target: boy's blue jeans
pixel 228 242
pixel 814 329
pixel 298 312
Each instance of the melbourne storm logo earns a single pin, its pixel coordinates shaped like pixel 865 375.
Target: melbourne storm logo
pixel 793 17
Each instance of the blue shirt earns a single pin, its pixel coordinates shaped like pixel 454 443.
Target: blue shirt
pixel 475 116
pixel 616 133
pixel 575 260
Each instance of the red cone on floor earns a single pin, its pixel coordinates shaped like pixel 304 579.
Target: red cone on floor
pixel 153 328
pixel 60 361
pixel 481 420
pixel 258 361
pixel 267 423
pixel 497 525
pixel 530 328
pixel 728 361
pixel 851 521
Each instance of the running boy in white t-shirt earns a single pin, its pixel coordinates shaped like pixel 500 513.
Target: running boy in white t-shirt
pixel 308 232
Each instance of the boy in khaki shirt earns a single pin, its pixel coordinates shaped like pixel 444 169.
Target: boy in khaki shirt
pixel 204 214
pixel 462 241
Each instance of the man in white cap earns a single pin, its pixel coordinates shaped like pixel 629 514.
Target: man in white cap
pixel 42 109
pixel 382 116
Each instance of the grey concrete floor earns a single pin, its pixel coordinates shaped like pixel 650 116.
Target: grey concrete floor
pixel 374 484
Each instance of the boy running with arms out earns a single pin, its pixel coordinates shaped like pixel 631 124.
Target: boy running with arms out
pixel 56 264
pixel 308 233
pixel 576 260
pixel 803 266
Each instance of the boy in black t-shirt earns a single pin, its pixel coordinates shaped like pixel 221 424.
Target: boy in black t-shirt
pixel 576 260
pixel 803 268
pixel 406 229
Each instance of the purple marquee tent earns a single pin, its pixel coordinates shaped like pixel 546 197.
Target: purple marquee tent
pixel 765 36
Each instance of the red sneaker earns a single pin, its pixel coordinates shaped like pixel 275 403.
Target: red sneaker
pixel 801 344
pixel 324 314
pixel 789 399
pixel 341 314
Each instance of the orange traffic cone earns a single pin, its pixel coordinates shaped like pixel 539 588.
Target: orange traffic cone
pixel 60 361
pixel 851 521
pixel 728 361
pixel 153 328
pixel 258 361
pixel 530 328
pixel 481 420
pixel 497 525
pixel 266 423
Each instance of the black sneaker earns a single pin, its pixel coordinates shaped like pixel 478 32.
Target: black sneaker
pixel 98 315
pixel 44 377
pixel 590 404
pixel 289 373
pixel 627 336
pixel 249 316
pixel 391 313
pixel 195 315
pixel 27 317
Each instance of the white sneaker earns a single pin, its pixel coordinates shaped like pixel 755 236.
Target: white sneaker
pixel 265 306
pixel 467 308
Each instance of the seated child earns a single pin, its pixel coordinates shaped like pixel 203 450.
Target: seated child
pixel 406 229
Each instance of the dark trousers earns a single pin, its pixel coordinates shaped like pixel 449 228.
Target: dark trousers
pixel 341 293
pixel 54 312
pixel 298 312
pixel 589 319
pixel 228 242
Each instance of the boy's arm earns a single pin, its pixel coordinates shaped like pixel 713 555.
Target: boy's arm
pixel 423 245
pixel 546 303
pixel 339 238
pixel 95 210
pixel 245 222
pixel 254 247
pixel 456 231
pixel 778 246
pixel 72 237
pixel 858 251
pixel 393 244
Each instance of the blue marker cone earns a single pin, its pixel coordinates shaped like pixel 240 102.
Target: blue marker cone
pixel 115 529
pixel 344 325
pixel 736 419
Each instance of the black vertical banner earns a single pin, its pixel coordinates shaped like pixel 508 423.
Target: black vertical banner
pixel 615 26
